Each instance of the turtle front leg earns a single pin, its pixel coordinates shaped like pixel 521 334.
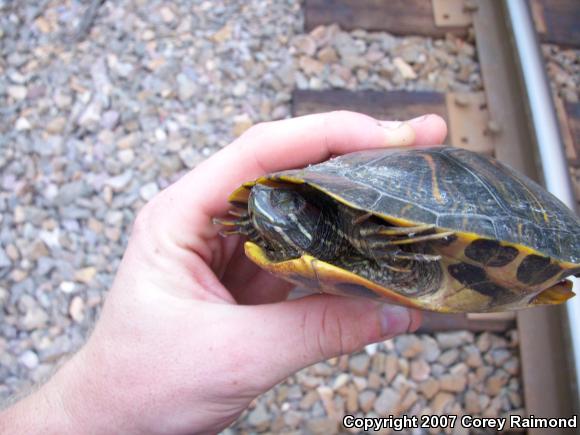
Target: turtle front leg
pixel 239 224
pixel 380 241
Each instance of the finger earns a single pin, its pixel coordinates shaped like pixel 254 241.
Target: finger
pixel 262 288
pixel 429 130
pixel 285 337
pixel 300 141
pixel 251 285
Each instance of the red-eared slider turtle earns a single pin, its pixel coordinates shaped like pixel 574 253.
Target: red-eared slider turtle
pixel 441 229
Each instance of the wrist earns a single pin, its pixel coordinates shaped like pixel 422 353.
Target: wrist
pixel 44 411
pixel 65 404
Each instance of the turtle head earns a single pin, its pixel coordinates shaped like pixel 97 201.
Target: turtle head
pixel 284 218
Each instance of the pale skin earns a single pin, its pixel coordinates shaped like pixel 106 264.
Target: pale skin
pixel 191 331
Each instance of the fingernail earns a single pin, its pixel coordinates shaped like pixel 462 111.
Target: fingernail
pixel 398 133
pixel 419 118
pixel 390 125
pixel 394 320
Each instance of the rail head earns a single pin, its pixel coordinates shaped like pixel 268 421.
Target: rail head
pixel 549 143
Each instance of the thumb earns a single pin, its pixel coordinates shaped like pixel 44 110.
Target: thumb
pixel 287 336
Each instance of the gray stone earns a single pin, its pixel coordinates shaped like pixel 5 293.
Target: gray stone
pixel 499 356
pixel 4 259
pixel 449 340
pixel 366 400
pixel 304 44
pixel 388 401
pixel 483 342
pixel 190 157
pixel 409 346
pixel 29 359
pixel 71 191
pixel 91 115
pixel 322 426
pixel 120 182
pixel 430 349
pixel 359 364
pixel 472 356
pixel 110 119
pixel 240 89
pixel 420 370
pixel 453 382
pixel 77 309
pixel 449 357
pixel 187 88
pixel 259 417
pixel 34 318
pixel 17 92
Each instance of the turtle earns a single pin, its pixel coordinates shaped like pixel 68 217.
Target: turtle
pixel 440 229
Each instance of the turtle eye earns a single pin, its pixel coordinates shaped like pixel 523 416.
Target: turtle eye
pixel 299 203
pixel 286 200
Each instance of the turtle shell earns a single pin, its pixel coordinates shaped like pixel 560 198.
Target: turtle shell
pixel 451 188
pixel 509 232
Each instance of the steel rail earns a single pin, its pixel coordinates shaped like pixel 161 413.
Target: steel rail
pixel 548 139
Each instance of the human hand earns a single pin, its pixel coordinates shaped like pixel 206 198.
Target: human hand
pixel 191 330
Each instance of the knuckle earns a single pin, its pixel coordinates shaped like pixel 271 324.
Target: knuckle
pixel 256 129
pixel 328 332
pixel 343 116
pixel 147 218
pixel 142 220
pixel 339 113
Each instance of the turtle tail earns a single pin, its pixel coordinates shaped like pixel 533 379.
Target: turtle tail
pixel 557 294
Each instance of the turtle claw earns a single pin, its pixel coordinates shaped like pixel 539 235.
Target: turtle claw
pixel 382 241
pixel 382 230
pixel 405 231
pixel 413 239
pixel 416 256
pixel 238 213
pixel 225 233
pixel 229 222
pixel 241 225
pixel 360 219
pixel 397 269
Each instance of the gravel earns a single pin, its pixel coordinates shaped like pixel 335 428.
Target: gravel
pixel 92 128
pixel 330 58
pixel 403 389
pixel 563 70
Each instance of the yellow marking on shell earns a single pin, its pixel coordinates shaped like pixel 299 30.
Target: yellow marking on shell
pixel 434 181
pixel 534 198
pixel 290 179
pixel 241 194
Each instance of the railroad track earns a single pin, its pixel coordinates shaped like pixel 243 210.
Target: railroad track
pixel 493 122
